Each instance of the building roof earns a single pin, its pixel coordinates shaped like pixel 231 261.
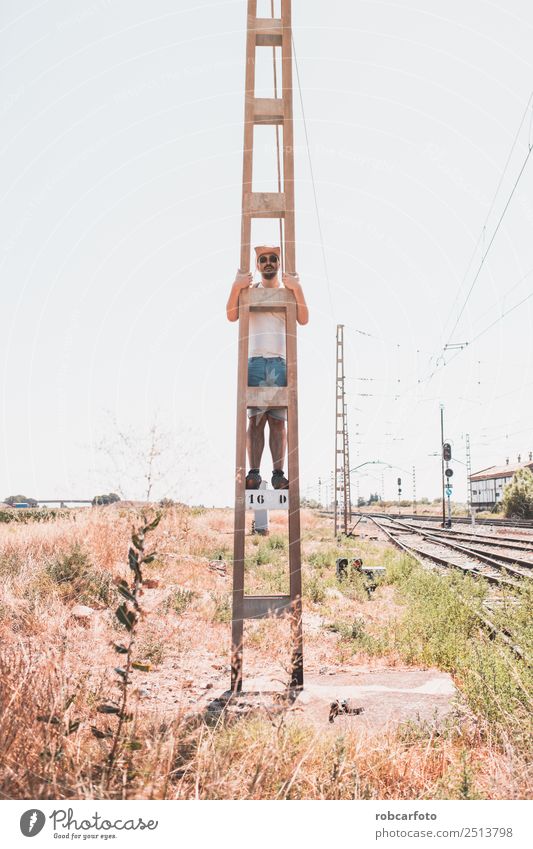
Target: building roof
pixel 506 471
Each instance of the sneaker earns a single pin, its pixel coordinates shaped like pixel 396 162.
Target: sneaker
pixel 279 481
pixel 253 479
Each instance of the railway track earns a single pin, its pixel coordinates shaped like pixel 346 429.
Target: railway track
pixel 444 553
pixel 496 558
pixel 457 520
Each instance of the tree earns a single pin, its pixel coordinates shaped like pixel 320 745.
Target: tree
pixel 518 496
pixel 102 500
pixel 146 463
pixel 20 499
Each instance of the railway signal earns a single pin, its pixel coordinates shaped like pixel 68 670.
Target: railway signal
pixel 447 451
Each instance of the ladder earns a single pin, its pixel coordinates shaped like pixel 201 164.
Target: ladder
pixel 277 111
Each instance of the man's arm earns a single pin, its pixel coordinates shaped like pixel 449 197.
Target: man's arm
pixel 243 280
pixel 292 282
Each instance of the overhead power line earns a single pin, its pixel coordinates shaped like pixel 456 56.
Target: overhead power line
pixel 493 201
pixel 483 258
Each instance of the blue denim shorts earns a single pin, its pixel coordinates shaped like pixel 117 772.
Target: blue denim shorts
pixel 267 371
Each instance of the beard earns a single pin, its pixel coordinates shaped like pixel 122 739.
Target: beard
pixel 268 275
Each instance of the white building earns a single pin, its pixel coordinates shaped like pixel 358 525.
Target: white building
pixel 487 485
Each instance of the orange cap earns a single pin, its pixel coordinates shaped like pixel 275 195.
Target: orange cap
pixel 266 249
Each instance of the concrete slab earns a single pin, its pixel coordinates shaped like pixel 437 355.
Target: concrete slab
pixel 387 697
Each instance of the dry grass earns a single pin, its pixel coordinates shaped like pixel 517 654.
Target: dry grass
pixel 55 670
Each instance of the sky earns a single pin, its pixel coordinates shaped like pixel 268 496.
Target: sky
pixel 121 166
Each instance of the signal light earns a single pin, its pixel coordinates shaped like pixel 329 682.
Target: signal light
pixel 447 451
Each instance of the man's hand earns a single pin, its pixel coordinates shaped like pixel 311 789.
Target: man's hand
pixel 243 279
pixel 290 280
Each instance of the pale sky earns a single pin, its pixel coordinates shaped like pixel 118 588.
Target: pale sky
pixel 121 158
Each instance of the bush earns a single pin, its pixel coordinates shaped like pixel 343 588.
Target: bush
pixel 314 589
pixel 518 496
pixel 79 580
pixel 179 600
pixel 20 499
pixel 102 500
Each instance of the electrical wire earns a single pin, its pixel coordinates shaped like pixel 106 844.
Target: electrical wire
pixel 481 236
pixel 483 258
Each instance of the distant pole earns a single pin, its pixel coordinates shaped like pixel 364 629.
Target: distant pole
pixel 469 481
pixel 347 481
pixel 442 463
pixel 319 492
pixel 343 507
pixel 414 490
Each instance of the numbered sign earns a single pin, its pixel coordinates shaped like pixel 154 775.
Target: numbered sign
pixel 267 499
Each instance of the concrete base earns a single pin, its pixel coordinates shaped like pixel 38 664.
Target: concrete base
pixel 387 697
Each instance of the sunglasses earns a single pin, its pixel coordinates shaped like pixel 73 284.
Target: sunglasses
pixel 263 259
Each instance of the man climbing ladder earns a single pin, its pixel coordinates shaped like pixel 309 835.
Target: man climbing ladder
pixel 268 315
pixel 267 362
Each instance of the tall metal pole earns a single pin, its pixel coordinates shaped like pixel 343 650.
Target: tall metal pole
pixel 442 463
pixel 469 480
pixel 347 482
pixel 340 437
pixel 414 490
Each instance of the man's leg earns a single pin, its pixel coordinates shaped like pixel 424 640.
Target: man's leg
pixel 277 441
pixel 255 439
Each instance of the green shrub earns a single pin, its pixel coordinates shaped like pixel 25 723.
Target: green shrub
pixel 179 600
pixel 314 589
pixel 277 542
pixel 78 580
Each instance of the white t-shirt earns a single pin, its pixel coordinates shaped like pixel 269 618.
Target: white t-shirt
pixel 267 333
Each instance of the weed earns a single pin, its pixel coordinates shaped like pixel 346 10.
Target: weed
pixel 221 553
pixel 272 579
pixel 179 600
pixel 355 585
pixel 128 615
pixel 277 542
pixel 152 647
pixel 78 580
pixel 222 612
pixel 314 589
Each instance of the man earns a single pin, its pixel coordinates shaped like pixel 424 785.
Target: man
pixel 267 362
